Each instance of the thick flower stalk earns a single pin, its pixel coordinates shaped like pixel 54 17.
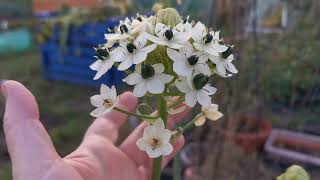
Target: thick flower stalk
pixel 170 58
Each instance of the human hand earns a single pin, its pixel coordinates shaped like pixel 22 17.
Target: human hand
pixel 34 157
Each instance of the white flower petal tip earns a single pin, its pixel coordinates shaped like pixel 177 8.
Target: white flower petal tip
pixel 105 101
pixel 156 140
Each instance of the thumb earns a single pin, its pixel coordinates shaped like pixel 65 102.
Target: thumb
pixel 29 145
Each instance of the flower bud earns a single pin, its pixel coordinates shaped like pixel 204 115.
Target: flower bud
pixel 169 17
pixel 294 172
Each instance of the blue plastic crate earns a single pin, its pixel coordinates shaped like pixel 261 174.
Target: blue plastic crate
pixel 70 62
pixel 61 66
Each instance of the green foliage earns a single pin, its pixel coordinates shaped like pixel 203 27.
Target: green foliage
pixel 291 72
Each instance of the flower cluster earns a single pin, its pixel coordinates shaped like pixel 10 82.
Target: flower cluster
pixel 169 55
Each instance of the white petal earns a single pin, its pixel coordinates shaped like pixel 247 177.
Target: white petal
pixel 181 38
pixel 158 68
pixel 231 68
pixel 142 144
pixel 97 112
pixel 138 57
pixel 97 100
pixel 113 94
pixel 104 68
pixel 220 68
pixel 219 47
pixel 214 115
pixel 105 91
pixel 166 149
pixel 155 86
pixel 133 78
pixel 160 29
pixel 149 48
pixel 112 37
pixel 141 41
pixel 203 68
pixel 181 68
pixel 198 32
pixel 158 124
pixel 125 65
pixel 191 99
pixel 183 85
pixel 175 55
pixel 200 121
pixel 187 49
pixel 119 54
pixel 166 135
pixel 209 89
pixel 164 78
pixel 203 98
pixel 140 89
pixel 96 65
pixel 154 153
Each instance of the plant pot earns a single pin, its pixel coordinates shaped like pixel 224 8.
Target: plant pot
pixel 250 141
pixel 292 147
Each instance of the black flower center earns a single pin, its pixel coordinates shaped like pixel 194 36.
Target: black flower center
pixel 124 29
pixel 102 53
pixel 139 19
pixel 168 34
pixel 131 47
pixel 192 60
pixel 199 81
pixel 227 53
pixel 147 71
pixel 208 38
pixel 116 44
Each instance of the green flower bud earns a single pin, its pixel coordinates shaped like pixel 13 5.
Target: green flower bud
pixel 169 17
pixel 147 71
pixel 200 80
pixel 294 172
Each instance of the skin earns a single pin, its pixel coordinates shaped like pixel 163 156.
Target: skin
pixel 33 155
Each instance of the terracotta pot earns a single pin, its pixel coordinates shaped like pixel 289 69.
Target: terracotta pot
pixel 250 141
pixel 294 147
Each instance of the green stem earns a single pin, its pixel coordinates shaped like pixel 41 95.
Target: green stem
pixel 177 167
pixel 163 113
pixel 134 114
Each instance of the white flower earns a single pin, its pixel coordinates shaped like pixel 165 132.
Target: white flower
pixel 132 53
pixel 185 27
pixel 105 101
pixel 187 61
pixel 207 41
pixel 166 36
pixel 156 140
pixel 103 64
pixel 209 112
pixel 142 24
pixel 196 89
pixel 224 63
pixel 122 33
pixel 148 78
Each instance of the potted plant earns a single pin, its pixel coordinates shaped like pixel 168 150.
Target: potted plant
pixel 289 146
pixel 250 132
